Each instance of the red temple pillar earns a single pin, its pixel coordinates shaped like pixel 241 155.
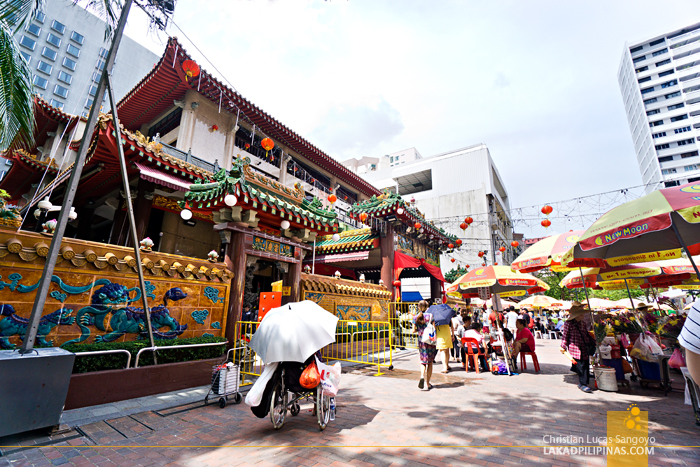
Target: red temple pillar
pixel 236 257
pixel 386 248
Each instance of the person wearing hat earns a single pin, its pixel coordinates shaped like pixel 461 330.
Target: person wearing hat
pixel 576 340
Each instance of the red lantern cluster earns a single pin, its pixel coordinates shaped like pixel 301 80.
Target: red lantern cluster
pixel 417 225
pixel 453 260
pixel 458 242
pixel 332 198
pixel 363 216
pixel 463 226
pixel 481 254
pixel 547 209
pixel 451 246
pixel 546 223
pixel 267 144
pixel 502 249
pixel 515 243
pixel 468 220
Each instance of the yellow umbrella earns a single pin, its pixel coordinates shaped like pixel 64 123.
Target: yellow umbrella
pixel 540 301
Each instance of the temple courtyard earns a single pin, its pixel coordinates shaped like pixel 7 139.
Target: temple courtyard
pixel 466 419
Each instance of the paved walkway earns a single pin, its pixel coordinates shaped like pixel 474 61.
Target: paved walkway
pixel 467 419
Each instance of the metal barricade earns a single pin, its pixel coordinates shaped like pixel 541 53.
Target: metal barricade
pixel 400 317
pixel 366 342
pixel 242 355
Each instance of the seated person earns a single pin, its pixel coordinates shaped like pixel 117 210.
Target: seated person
pixel 560 325
pixel 524 340
pixel 474 333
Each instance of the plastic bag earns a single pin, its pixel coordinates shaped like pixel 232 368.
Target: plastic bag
pixel 645 348
pixel 429 335
pixel 310 377
pixel 330 377
pixel 653 345
pixel 624 342
pixel 677 361
pixel 254 396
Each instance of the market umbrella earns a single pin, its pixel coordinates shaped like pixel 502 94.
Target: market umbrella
pixel 624 303
pixel 540 301
pixel 500 280
pixel 651 228
pixel 293 332
pixel 442 314
pixel 547 252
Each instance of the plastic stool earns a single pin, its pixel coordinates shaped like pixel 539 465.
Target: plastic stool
pixel 523 362
pixel 538 333
pixel 552 332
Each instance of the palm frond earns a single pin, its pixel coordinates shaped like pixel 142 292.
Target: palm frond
pixel 15 13
pixel 16 101
pixel 107 10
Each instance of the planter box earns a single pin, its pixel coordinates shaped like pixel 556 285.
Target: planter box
pixel 101 387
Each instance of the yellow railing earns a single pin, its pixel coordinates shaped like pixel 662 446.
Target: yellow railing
pixel 400 314
pixel 367 342
pixel 243 356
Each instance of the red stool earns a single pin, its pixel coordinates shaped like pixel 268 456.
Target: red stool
pixel 523 362
pixel 471 356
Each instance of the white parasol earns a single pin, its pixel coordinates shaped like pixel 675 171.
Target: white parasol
pixel 293 332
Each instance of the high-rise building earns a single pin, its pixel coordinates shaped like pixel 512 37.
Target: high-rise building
pixel 66 50
pixel 659 78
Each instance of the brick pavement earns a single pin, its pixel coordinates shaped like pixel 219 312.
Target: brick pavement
pixel 467 419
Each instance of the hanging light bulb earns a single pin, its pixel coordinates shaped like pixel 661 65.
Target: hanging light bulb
pixel 186 214
pixel 335 237
pixel 399 211
pixel 284 225
pixel 230 200
pixel 37 213
pixel 72 215
pixel 45 204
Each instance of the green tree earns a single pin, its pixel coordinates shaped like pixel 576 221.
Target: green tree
pixel 454 274
pixel 16 104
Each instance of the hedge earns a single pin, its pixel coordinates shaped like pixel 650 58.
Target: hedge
pixel 117 361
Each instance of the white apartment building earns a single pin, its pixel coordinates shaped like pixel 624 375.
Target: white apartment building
pixel 66 50
pixel 447 188
pixel 659 79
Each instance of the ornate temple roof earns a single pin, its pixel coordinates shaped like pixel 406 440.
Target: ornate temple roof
pixel 349 241
pixel 389 203
pixel 270 199
pixel 155 93
pixel 327 284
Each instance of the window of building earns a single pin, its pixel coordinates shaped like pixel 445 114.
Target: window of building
pixel 650 101
pixel 651 89
pixel 644 80
pixel 73 50
pixel 659 135
pixel 57 104
pixel 676 106
pixel 49 53
pixel 694 179
pixel 639 59
pixel 659 52
pixel 668 84
pixel 672 95
pixel 88 102
pixel 636 49
pixel 103 52
pixel 100 65
pixel 679 118
pixel 657 42
pixel 656 123
pixel 685 141
pixel 666 159
pixel 53 39
pixel 27 42
pixel 40 82
pixel 665 73
pixel 659 147
pixel 663 62
pixel 44 67
pixel 653 112
pixel 639 70
pixel 96 77
pixel 75 37
pixel 27 58
pixel 668 171
pixel 688 168
pixel 681 130
pixel 34 29
pixel 671 183
pixel 93 90
pixel 40 17
pixel 68 63
pixel 58 27
pixel 65 77
pixel 686 155
pixel 60 91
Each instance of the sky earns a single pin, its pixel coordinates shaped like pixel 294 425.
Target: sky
pixel 536 81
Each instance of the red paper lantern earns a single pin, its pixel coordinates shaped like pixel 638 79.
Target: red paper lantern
pixel 483 264
pixel 495 264
pixel 468 220
pixel 247 146
pixel 397 283
pixel 363 216
pixel 502 249
pixel 332 198
pixel 458 242
pixel 463 226
pixel 267 144
pixel 190 68
pixel 453 260
pixel 417 225
pixel 547 210
pixel 451 246
pixel 481 254
pixel 467 266
pixel 514 244
pixel 546 223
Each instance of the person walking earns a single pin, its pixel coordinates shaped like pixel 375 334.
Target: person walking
pixel 426 352
pixel 578 343
pixel 511 318
pixel 445 335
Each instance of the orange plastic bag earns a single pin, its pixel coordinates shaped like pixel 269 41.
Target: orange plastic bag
pixel 310 377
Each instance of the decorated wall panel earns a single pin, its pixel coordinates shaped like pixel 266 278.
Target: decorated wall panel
pixel 349 307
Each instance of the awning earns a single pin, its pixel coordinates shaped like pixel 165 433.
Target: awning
pixel 161 178
pixel 411 297
pixel 355 256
